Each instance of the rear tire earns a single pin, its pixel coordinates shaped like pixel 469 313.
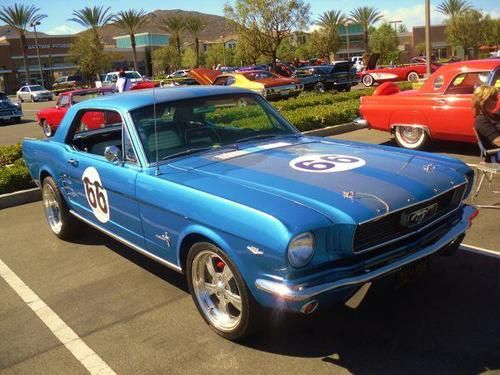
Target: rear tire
pixel 367 80
pixel 219 292
pixel 412 77
pixel 413 138
pixel 61 222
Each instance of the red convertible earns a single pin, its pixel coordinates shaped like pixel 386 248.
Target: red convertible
pixel 441 109
pixel 50 118
pixel 411 72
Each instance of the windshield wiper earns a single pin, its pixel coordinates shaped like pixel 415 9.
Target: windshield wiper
pixel 187 152
pixel 258 136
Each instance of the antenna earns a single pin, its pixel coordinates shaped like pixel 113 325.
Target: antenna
pixel 157 172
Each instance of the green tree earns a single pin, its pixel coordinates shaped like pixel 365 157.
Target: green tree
pixel 491 31
pixel 366 17
pixel 130 21
pixel 88 53
pixel 249 48
pixel 189 58
pixel 216 54
pixel 165 59
pixel 273 21
pixel 321 41
pixel 452 8
pixel 330 22
pixel 175 25
pixel 20 17
pixel 195 26
pixel 468 31
pixel 402 28
pixel 384 41
pixel 93 17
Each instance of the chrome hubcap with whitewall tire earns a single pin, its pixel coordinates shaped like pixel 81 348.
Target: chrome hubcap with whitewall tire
pixel 52 209
pixel 413 77
pixel 410 134
pixel 47 130
pixel 367 80
pixel 216 291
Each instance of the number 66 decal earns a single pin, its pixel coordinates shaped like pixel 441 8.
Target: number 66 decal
pixel 327 163
pixel 96 195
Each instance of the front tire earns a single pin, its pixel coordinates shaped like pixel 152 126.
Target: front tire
pixel 219 292
pixel 33 99
pixel 47 130
pixel 319 87
pixel 411 137
pixel 367 80
pixel 60 220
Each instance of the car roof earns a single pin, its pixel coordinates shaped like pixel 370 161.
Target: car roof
pixel 131 100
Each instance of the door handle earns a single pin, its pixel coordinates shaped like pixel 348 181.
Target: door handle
pixel 73 162
pixel 441 101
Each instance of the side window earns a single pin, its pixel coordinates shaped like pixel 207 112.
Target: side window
pixel 495 81
pixel 93 130
pixel 24 89
pixel 221 81
pixel 465 83
pixel 438 82
pixel 114 78
pixel 128 150
pixel 63 101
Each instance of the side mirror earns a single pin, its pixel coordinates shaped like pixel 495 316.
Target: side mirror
pixel 113 154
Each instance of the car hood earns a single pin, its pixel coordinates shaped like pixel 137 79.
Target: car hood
pixel 364 181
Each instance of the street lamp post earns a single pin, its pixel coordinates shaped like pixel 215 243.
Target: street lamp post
pixel 428 37
pixel 223 50
pixel 34 25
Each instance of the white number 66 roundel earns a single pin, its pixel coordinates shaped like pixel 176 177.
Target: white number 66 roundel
pixel 326 163
pixel 96 194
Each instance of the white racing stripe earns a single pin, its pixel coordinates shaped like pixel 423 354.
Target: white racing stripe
pixel 480 250
pixel 85 355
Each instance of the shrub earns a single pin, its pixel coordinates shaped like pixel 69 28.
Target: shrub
pixel 15 177
pixel 9 154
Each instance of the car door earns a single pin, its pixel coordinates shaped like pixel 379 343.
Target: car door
pixel 101 191
pixel 24 94
pixel 452 116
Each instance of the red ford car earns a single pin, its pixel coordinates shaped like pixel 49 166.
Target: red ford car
pixel 50 118
pixel 441 109
pixel 406 72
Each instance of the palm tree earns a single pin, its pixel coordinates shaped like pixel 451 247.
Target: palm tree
pixel 19 17
pixel 175 25
pixel 130 21
pixel 92 17
pixel 331 20
pixel 195 25
pixel 453 8
pixel 366 16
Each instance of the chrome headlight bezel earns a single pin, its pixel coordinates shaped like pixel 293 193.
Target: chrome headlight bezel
pixel 301 250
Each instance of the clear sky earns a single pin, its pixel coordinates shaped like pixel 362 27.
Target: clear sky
pixel 411 12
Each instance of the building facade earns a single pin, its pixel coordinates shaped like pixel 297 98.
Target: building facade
pixel 54 60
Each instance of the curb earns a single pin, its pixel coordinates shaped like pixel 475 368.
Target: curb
pixel 20 197
pixel 333 130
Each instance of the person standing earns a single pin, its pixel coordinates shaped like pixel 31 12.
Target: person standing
pixel 123 83
pixel 487 118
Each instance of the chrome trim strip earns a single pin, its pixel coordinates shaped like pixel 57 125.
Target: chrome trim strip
pixel 129 244
pixel 302 292
pixel 414 204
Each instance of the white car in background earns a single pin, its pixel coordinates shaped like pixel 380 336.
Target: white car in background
pixel 179 74
pixel 111 78
pixel 33 93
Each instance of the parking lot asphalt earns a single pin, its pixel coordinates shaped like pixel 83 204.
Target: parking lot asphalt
pixel 138 316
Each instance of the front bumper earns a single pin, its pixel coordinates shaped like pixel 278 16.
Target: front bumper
pixel 288 291
pixel 13 114
pixel 284 91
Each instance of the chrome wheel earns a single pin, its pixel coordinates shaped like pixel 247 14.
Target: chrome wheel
pixel 412 77
pixel 411 137
pixel 47 130
pixel 367 80
pixel 216 291
pixel 52 209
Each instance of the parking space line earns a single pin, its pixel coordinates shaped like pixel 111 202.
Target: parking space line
pixel 81 351
pixel 479 250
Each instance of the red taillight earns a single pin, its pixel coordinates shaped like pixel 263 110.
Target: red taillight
pixel 472 217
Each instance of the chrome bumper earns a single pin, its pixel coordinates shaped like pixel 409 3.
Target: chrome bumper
pixel 303 291
pixel 361 122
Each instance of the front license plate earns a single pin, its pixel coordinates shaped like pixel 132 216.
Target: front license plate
pixel 410 272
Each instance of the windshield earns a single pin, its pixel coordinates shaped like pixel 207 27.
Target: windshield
pixel 252 76
pixel 205 124
pixel 37 88
pixel 132 75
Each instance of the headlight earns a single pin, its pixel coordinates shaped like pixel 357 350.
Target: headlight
pixel 301 249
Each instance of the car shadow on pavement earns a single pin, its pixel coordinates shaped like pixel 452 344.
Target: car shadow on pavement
pixel 447 321
pixel 23 121
pixel 445 147
pixel 94 237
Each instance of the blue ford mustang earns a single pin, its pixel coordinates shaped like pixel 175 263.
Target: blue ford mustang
pixel 213 182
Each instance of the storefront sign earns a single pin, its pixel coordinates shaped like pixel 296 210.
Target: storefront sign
pixel 49 45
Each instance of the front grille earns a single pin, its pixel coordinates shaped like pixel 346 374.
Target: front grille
pixel 389 228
